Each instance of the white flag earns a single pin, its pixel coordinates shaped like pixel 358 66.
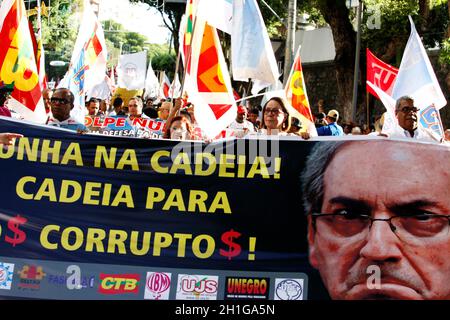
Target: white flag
pixel 131 71
pixel 217 13
pixel 259 85
pixel 101 91
pixel 416 77
pixel 88 63
pixel 91 41
pixel 252 52
pixel 151 83
pixel 175 88
pixel 390 125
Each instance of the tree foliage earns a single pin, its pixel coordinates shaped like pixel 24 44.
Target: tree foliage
pixel 117 37
pixel 59 31
pixel 389 38
pixel 171 14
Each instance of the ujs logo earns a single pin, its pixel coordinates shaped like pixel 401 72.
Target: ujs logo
pixel 197 287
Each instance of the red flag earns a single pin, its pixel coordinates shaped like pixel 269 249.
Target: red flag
pixel 296 95
pixel 209 84
pixel 18 62
pixel 380 74
pixel 39 55
pixel 164 86
pixel 296 89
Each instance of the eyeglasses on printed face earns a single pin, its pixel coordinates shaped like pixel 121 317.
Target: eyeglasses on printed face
pixel 409 109
pixel 408 228
pixel 59 100
pixel 274 111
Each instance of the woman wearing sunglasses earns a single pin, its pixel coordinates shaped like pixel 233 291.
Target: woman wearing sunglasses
pixel 275 120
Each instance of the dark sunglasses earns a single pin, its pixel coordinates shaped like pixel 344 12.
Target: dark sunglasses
pixel 59 100
pixel 409 109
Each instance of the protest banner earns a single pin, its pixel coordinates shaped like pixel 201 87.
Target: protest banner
pixel 100 217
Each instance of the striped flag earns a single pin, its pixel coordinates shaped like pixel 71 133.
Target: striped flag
pixel 186 29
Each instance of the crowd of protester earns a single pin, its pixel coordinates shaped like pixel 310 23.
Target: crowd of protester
pixel 175 119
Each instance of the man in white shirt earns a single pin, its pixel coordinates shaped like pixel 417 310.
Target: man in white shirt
pixel 241 125
pixel 406 114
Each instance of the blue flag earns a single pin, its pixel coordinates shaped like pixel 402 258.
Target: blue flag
pixel 252 52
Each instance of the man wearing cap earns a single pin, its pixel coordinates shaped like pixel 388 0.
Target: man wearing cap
pixel 408 126
pixel 295 126
pixel 332 128
pixel 240 125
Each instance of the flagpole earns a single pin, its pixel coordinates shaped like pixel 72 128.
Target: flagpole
pixel 368 109
pixel 177 65
pixel 441 126
pixel 247 90
pixel 357 57
pixel 254 96
pixel 161 85
pixel 188 56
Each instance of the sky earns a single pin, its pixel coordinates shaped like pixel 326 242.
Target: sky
pixel 137 17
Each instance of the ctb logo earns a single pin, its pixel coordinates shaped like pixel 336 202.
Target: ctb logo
pixel 119 283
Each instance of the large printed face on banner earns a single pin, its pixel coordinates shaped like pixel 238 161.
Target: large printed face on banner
pixel 380 231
